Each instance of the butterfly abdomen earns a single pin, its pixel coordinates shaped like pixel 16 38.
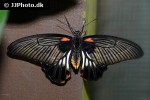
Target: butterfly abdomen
pixel 75 60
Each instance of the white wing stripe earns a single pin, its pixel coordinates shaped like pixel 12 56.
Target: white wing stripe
pixel 64 61
pixel 88 55
pixel 86 62
pixel 68 55
pixel 60 62
pixel 83 60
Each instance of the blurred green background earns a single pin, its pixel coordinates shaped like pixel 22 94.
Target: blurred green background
pixel 129 80
pixel 3 17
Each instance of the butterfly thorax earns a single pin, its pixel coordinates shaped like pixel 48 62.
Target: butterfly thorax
pixel 77 43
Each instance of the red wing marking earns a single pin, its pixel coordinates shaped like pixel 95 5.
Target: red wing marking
pixel 89 40
pixel 64 39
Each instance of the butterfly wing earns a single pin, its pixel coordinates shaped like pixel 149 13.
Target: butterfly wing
pixel 52 51
pixel 102 50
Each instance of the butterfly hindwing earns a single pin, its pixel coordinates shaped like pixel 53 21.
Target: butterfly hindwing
pixel 58 72
pixel 89 69
pixel 51 50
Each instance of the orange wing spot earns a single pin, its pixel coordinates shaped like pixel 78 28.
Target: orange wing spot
pixel 89 40
pixel 64 39
pixel 68 76
pixel 62 82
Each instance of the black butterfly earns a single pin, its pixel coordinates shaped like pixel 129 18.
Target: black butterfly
pixel 58 54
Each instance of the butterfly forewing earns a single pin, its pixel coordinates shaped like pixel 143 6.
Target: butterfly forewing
pixel 110 49
pixel 51 50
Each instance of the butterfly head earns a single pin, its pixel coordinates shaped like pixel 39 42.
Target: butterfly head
pixel 77 33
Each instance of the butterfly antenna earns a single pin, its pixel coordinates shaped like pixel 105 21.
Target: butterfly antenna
pixel 62 22
pixel 90 22
pixel 71 29
pixel 63 29
pixel 83 26
pixel 84 33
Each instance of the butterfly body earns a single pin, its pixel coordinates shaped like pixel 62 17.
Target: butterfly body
pixel 59 54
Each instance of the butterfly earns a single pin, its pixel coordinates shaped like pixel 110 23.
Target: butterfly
pixel 58 54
